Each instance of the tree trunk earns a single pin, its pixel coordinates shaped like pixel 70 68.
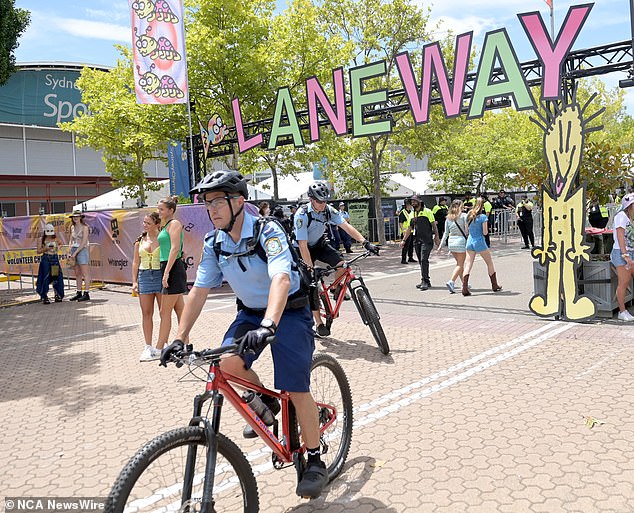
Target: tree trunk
pixel 376 176
pixel 275 183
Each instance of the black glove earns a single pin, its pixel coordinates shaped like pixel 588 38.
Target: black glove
pixel 255 340
pixel 371 247
pixel 175 347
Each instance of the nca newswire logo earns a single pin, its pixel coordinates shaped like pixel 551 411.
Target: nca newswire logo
pixel 54 504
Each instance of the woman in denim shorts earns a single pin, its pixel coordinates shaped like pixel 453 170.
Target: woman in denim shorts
pixel 622 256
pixel 147 279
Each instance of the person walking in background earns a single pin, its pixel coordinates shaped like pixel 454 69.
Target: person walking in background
pixel 524 214
pixel 80 256
pixel 264 208
pixel 478 228
pixel 147 279
pixel 49 271
pixel 346 240
pixel 425 233
pixel 503 204
pixel 440 214
pixel 488 211
pixel 455 233
pixel 622 256
pixel 405 217
pixel 278 213
pixel 598 215
pixel 174 274
pixel 467 202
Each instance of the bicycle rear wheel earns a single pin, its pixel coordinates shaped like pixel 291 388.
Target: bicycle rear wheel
pixel 329 386
pixel 371 317
pixel 153 479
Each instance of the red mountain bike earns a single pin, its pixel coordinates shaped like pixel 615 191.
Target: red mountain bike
pixel 198 469
pixel 359 293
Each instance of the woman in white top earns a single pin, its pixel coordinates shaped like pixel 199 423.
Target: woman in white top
pixel 457 231
pixel 80 256
pixel 622 256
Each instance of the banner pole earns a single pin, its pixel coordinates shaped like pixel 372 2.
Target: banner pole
pixel 192 178
pixel 552 20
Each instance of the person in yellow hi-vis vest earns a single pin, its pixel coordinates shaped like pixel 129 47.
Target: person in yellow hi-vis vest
pixel 598 215
pixel 405 217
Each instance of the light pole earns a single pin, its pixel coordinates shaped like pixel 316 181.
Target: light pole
pixel 629 82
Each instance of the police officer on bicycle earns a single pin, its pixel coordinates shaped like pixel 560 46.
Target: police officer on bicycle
pixel 270 302
pixel 309 229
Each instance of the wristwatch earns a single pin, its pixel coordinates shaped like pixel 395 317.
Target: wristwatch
pixel 269 324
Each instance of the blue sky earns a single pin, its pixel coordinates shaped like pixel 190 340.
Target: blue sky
pixel 85 32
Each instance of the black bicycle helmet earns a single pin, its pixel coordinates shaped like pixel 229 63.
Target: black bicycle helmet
pixel 225 181
pixel 319 190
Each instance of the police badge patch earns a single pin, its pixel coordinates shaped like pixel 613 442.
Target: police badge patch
pixel 299 222
pixel 273 246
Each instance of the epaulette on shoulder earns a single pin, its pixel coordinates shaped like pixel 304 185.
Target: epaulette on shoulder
pixel 210 235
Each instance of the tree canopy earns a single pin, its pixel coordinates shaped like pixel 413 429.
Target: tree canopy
pixel 13 22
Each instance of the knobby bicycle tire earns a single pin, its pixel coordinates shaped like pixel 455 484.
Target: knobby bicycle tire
pixel 329 385
pixel 153 479
pixel 372 319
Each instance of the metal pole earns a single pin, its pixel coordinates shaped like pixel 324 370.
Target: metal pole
pixel 191 143
pixel 552 19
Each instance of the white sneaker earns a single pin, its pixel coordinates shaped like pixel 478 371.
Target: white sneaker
pixel 451 286
pixel 156 353
pixel 625 316
pixel 149 354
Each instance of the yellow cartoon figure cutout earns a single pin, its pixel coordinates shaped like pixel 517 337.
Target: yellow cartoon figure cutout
pixel 563 247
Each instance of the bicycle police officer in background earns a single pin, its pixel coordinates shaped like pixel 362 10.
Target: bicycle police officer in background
pixel 309 230
pixel 270 302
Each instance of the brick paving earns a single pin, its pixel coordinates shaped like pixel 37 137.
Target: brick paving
pixel 490 414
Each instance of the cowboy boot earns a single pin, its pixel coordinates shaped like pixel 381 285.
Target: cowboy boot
pixel 465 285
pixel 494 283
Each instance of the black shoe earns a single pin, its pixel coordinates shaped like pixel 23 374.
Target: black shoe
pixel 349 250
pixel 314 479
pixel 322 331
pixel 46 301
pixel 58 299
pixel 77 296
pixel 84 297
pixel 412 260
pixel 273 404
pixel 403 261
pixel 524 247
pixel 337 291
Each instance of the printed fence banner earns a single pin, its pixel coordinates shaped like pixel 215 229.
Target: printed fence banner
pixel 112 235
pixel 158 44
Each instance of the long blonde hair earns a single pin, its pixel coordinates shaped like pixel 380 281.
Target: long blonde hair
pixel 455 210
pixel 476 210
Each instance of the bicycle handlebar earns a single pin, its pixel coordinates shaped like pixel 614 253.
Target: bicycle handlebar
pixel 319 272
pixel 189 356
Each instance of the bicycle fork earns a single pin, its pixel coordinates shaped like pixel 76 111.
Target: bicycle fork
pixel 210 429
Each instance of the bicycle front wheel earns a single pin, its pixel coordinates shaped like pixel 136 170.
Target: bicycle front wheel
pixel 330 388
pixel 153 480
pixel 372 319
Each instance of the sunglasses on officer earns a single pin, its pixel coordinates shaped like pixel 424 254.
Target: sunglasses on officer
pixel 218 202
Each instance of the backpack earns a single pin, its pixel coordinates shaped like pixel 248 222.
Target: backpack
pixel 254 247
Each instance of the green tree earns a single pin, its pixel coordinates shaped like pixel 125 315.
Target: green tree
pixel 128 134
pixel 243 50
pixel 378 29
pixel 13 23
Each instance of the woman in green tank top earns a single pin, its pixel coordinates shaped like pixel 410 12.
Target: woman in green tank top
pixel 170 240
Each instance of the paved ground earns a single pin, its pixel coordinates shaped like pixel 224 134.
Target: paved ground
pixel 481 406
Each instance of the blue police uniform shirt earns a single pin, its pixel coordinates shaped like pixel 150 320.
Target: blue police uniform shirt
pixel 313 232
pixel 251 286
pixel 344 215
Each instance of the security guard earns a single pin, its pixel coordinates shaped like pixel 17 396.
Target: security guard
pixel 310 228
pixel 488 211
pixel 405 217
pixel 268 305
pixel 425 233
pixel 524 214
pixel 440 212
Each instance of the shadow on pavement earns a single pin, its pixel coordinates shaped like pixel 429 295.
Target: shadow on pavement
pixel 41 360
pixel 354 350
